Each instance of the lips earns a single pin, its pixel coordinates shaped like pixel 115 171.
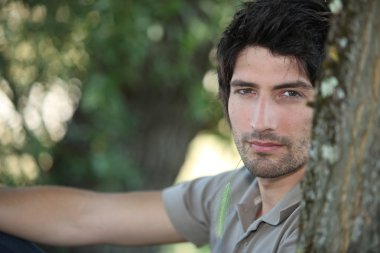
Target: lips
pixel 264 147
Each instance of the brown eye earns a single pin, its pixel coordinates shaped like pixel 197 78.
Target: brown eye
pixel 246 91
pixel 291 93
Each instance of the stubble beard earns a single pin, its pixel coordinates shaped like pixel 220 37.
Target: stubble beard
pixel 265 165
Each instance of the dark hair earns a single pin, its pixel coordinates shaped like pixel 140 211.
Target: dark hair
pixel 296 28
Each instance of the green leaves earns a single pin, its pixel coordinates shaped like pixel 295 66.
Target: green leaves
pixel 80 73
pixel 223 208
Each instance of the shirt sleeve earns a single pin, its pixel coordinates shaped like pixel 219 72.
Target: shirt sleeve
pixel 190 206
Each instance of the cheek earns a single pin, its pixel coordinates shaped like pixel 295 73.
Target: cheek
pixel 298 122
pixel 238 114
pixel 231 111
pixel 307 117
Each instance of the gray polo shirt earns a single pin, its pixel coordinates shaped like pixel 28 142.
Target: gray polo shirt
pixel 220 210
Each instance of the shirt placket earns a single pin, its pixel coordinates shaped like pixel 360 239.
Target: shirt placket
pixel 242 245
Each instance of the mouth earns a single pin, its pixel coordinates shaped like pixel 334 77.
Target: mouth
pixel 264 147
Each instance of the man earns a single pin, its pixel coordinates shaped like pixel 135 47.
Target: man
pixel 268 61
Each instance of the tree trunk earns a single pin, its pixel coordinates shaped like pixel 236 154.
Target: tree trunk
pixel 342 207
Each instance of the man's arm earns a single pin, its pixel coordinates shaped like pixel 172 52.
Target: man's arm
pixel 67 216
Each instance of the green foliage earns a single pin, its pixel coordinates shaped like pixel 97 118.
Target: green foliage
pixel 105 94
pixel 143 55
pixel 223 208
pixel 184 247
pixel 112 61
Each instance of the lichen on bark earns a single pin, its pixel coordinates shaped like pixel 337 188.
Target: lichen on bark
pixel 341 203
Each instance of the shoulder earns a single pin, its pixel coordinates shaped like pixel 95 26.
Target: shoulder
pixel 191 205
pixel 209 186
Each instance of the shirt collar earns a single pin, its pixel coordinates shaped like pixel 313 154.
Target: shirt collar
pixel 284 207
pixel 251 201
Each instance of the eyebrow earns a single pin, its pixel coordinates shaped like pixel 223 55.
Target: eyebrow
pixel 295 84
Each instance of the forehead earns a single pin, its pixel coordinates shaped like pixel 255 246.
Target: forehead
pixel 259 65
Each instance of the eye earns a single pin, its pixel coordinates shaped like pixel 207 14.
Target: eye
pixel 291 93
pixel 245 91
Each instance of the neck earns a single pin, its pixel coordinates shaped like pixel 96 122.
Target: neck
pixel 272 190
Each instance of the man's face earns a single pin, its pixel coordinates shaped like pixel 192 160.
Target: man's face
pixel 270 118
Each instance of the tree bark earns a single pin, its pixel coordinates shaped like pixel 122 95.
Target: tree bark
pixel 342 207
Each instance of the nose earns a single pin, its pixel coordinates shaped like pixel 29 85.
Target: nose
pixel 263 115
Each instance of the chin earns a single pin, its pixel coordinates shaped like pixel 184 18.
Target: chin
pixel 273 172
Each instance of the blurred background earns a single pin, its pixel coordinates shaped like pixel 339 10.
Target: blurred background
pixel 114 95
